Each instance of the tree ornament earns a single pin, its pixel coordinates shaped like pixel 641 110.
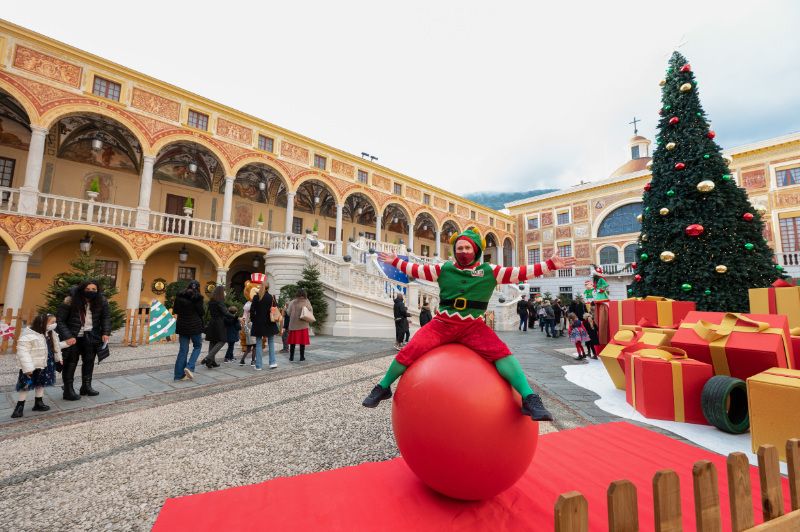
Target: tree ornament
pixel 694 230
pixel 749 246
pixel 686 287
pixel 686 68
pixel 630 292
pixel 667 107
pixel 647 209
pixel 662 83
pixel 727 177
pixel 637 277
pixel 680 166
pixel 670 193
pixel 748 216
pixel 711 134
pixel 698 113
pixel 707 292
pixel 639 218
pixel 634 265
pixel 663 211
pixel 686 87
pixel 644 237
pixel 706 156
pixel 649 165
pixel 667 256
pixel 647 186
pixel 644 256
pixel 779 267
pixel 721 268
pixel 761 209
pixel 706 186
pixel 670 146
pixel 674 120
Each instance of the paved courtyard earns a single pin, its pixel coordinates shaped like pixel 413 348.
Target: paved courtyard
pixel 111 461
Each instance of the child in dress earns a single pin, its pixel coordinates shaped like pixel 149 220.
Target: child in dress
pixel 577 334
pixel 38 355
pixel 232 328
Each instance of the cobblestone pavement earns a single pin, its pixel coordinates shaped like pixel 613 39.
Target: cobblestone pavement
pixel 111 466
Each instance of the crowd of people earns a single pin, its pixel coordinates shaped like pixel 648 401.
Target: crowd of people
pixel 557 319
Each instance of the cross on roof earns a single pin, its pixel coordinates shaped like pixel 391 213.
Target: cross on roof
pixel 634 122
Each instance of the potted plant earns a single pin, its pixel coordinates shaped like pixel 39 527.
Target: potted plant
pixel 315 229
pixel 94 189
pixel 188 207
pixel 260 222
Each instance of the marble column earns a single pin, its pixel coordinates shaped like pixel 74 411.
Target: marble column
pixel 338 240
pixel 29 191
pixel 17 273
pixel 135 284
pixel 227 208
pixel 378 227
pixel 289 211
pixel 145 189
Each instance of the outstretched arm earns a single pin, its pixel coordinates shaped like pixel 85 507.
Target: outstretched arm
pixel 415 271
pixel 518 274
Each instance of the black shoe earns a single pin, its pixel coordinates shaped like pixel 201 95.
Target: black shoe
pixel 207 364
pixel 86 387
pixel 241 362
pixel 18 409
pixel 378 394
pixel 69 392
pixel 214 364
pixel 302 358
pixel 39 405
pixel 549 336
pixel 532 406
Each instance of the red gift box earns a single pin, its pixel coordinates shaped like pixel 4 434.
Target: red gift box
pixel 664 384
pixel 739 345
pixel 650 311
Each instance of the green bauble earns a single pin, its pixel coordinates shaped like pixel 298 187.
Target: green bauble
pixel 749 246
pixel 644 256
pixel 707 292
pixel 670 193
pixel 630 292
pixel 686 287
pixel 727 177
pixel 779 267
pixel 706 156
pixel 698 113
pixel 647 209
pixel 667 107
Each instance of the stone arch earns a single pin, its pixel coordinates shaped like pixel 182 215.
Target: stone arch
pixel 351 202
pixel 490 236
pixel 321 178
pixel 311 189
pixel 449 223
pixel 23 100
pixel 393 210
pixel 188 242
pixel 65 111
pixel 508 251
pixel 8 240
pixel 176 158
pixel 250 175
pixel 243 252
pixel 56 232
pixel 197 139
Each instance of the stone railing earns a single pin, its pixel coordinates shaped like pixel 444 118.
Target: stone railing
pixel 326 247
pixel 86 211
pixel 252 236
pixel 9 199
pixel 621 268
pixel 385 247
pixel 184 225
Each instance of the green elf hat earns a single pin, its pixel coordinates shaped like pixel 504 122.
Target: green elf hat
pixel 474 236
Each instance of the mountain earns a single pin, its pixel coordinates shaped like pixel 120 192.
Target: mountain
pixel 497 200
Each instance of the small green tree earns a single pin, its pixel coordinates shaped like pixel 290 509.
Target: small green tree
pixel 287 294
pixel 261 217
pixel 189 203
pixel 316 226
pixel 94 186
pixel 314 290
pixel 84 268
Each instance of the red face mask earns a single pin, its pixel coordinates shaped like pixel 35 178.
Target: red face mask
pixel 465 258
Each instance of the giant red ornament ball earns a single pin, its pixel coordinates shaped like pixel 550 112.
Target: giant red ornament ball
pixel 694 230
pixel 637 277
pixel 711 134
pixel 674 120
pixel 647 187
pixel 679 166
pixel 748 216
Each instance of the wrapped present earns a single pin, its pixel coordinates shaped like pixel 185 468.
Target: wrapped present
pixel 647 312
pixel 739 345
pixel 625 341
pixel 664 383
pixel 773 396
pixel 780 298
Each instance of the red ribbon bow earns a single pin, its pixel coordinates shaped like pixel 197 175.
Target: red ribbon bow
pixel 783 283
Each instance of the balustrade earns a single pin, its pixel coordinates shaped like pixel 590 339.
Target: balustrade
pixel 86 211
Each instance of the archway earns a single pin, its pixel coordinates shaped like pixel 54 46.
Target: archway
pixel 620 220
pixel 178 259
pixel 449 228
pixel 259 196
pixel 508 252
pixel 358 215
pixel 315 206
pixel 425 234
pixel 490 254
pixel 395 224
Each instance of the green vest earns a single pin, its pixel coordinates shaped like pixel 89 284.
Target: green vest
pixel 473 285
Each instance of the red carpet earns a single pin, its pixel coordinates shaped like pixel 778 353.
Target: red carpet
pixel 387 496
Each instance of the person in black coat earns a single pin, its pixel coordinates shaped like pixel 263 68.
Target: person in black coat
pixel 85 324
pixel 594 336
pixel 558 312
pixel 216 334
pixel 425 314
pixel 531 312
pixel 578 307
pixel 401 316
pixel 263 326
pixel 190 313
pixel 522 312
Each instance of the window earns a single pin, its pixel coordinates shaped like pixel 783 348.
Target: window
pixel 198 120
pixel 630 253
pixel 6 171
pixel 788 176
pixel 609 255
pixel 369 236
pixel 398 189
pixel 536 290
pixel 426 199
pixel 562 218
pixel 425 250
pixel 790 227
pixel 534 256
pixel 363 177
pixel 108 268
pixel 106 89
pixel 471 215
pixel 565 250
pixel 565 291
pixel 451 207
pixel 533 223
pixel 186 273
pixel 621 220
pixel 319 162
pixel 265 143
pixel 508 226
pixel 491 221
pixel 297 225
pixel 634 152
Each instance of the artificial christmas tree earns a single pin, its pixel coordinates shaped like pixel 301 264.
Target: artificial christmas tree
pixel 701 238
pixel 313 287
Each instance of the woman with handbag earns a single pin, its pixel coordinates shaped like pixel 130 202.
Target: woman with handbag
pixel 216 334
pixel 85 325
pixel 190 313
pixel 300 316
pixel 265 316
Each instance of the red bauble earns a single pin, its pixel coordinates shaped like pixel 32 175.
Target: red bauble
pixel 647 186
pixel 748 216
pixel 634 265
pixel 464 438
pixel 711 134
pixel 694 230
pixel 637 277
pixel 674 120
pixel 679 166
pixel 686 68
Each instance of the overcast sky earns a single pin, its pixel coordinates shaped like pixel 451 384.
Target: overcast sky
pixel 470 96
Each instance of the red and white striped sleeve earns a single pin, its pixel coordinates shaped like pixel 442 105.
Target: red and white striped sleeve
pixel 520 274
pixel 429 272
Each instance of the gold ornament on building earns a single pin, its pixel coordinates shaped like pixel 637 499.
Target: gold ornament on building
pixel 159 286
pixel 639 218
pixel 706 186
pixel 760 209
pixel 670 146
pixel 649 165
pixel 686 87
pixel 662 83
pixel 721 268
pixel 667 256
pixel 728 160
pixel 663 211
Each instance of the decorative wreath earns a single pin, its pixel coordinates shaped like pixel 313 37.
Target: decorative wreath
pixel 210 286
pixel 159 286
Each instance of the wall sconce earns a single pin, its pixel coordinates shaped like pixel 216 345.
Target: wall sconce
pixel 256 262
pixel 183 254
pixel 192 168
pixel 359 211
pixel 262 186
pixel 97 144
pixel 86 243
pixel 316 200
pixel 394 220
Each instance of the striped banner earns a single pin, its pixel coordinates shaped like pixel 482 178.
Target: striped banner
pixel 162 323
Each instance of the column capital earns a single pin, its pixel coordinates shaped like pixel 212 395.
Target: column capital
pixel 230 179
pixel 222 270
pixel 379 217
pixel 339 206
pixel 291 194
pixel 39 130
pixel 137 264
pixel 20 255
pixel 151 159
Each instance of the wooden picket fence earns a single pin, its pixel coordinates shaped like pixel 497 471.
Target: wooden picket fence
pixel 137 328
pixel 572 509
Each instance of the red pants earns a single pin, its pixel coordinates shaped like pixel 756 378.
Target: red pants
pixel 441 330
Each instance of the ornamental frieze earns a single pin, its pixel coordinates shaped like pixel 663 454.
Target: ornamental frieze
pixel 155 104
pixel 47 66
pixel 338 167
pixel 547 219
pixel 582 250
pixel 754 179
pixel 580 212
pixel 292 151
pixel 563 232
pixel 787 198
pixel 532 236
pixel 228 129
pixel 380 181
pixel 22 228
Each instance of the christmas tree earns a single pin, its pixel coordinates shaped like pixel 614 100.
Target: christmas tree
pixel 84 268
pixel 701 238
pixel 313 287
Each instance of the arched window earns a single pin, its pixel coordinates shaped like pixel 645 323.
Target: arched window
pixel 621 220
pixel 609 255
pixel 630 253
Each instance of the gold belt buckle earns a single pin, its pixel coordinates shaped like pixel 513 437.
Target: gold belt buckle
pixel 460 303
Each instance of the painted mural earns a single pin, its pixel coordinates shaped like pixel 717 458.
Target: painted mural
pixel 14 135
pixel 106 157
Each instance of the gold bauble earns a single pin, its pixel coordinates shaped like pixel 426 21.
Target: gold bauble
pixel 644 237
pixel 639 218
pixel 667 256
pixel 761 209
pixel 728 160
pixel 670 146
pixel 663 211
pixel 706 186
pixel 686 87
pixel 662 83
pixel 649 165
pixel 721 268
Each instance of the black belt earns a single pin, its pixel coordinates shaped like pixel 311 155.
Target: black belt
pixel 461 303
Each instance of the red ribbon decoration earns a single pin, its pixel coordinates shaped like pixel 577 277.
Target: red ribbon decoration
pixel 783 283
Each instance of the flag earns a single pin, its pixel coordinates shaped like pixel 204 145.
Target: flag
pixel 162 323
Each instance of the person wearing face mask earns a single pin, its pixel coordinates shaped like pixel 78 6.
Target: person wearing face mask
pixel 465 287
pixel 84 324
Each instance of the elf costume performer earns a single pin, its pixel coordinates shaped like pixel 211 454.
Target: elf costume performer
pixel 465 287
pixel 601 303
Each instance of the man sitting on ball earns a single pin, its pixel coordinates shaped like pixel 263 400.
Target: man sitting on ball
pixel 465 287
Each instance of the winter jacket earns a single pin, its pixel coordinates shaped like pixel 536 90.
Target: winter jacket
pixel 557 312
pixel 259 316
pixel 594 336
pixel 232 328
pixel 522 307
pixel 401 315
pixel 191 312
pixel 295 308
pixel 532 308
pixel 424 316
pixel 215 331
pixel 578 308
pixel 32 350
pixel 549 313
pixel 70 320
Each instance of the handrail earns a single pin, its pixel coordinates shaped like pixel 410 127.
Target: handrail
pixel 82 210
